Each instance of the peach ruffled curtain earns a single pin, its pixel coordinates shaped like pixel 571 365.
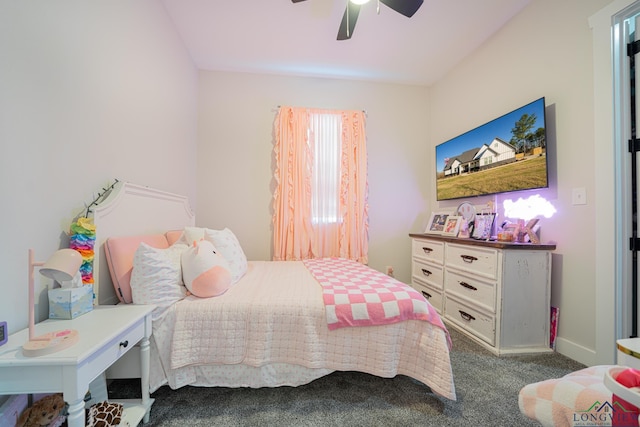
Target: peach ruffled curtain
pixel 297 234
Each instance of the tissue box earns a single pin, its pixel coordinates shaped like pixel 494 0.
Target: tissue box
pixel 69 303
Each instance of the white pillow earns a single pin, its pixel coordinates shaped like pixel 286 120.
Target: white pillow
pixel 156 277
pixel 227 245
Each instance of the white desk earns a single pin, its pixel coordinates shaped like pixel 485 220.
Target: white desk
pixel 106 333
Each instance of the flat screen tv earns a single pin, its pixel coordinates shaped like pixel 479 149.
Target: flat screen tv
pixel 506 154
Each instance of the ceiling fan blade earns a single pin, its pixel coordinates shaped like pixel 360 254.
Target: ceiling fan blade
pixel 405 7
pixel 351 13
pixel 296 1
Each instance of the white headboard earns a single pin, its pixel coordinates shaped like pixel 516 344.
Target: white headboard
pixel 132 210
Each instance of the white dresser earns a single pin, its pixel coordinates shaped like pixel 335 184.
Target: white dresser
pixel 496 293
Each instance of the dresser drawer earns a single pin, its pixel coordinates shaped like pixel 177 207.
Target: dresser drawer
pixel 428 250
pixel 430 273
pixel 478 292
pixel 434 296
pixel 479 324
pixel 477 260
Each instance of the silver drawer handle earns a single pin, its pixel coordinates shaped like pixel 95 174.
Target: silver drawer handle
pixel 426 272
pixel 466 316
pixel 468 286
pixel 124 344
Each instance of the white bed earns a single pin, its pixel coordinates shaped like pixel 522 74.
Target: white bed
pixel 269 329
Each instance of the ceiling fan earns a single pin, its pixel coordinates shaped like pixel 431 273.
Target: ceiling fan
pixel 405 7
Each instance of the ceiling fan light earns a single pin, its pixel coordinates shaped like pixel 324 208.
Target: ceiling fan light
pixel 359 2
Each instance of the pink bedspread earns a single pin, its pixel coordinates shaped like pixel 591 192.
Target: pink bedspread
pixel 356 295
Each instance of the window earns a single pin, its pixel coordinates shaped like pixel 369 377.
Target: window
pixel 320 197
pixel 324 132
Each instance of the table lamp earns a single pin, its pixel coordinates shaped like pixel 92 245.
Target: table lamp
pixel 63 266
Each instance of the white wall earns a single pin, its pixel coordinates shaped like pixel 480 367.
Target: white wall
pixel 547 50
pixel 235 155
pixel 89 92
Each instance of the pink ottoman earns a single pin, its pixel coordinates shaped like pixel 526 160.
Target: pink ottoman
pixel 577 398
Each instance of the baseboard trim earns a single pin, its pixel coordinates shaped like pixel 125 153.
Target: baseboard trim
pixel 576 352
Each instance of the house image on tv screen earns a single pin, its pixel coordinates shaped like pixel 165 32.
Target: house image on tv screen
pixel 506 154
pixel 495 154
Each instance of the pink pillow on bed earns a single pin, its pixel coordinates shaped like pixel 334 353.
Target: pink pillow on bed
pixel 173 236
pixel 119 252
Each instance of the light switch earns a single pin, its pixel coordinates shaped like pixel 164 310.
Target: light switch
pixel 579 196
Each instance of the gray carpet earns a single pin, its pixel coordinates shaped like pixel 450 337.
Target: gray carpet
pixel 487 388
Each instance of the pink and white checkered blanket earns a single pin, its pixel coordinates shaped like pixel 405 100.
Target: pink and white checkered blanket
pixel 356 295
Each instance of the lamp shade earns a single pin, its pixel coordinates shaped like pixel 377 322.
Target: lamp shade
pixel 63 265
pixel 359 2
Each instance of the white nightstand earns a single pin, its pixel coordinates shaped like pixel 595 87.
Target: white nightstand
pixel 106 333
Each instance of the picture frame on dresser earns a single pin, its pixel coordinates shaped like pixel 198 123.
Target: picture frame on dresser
pixel 452 225
pixel 436 222
pixel 483 225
